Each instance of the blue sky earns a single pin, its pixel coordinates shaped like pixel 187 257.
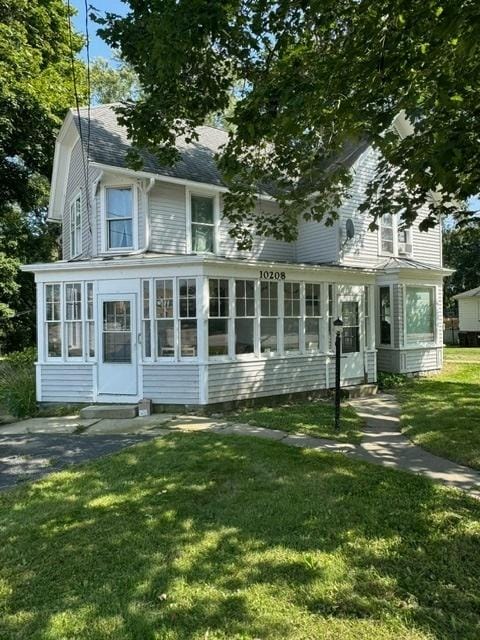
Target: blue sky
pixel 97 46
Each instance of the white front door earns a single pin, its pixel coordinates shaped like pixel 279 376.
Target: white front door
pixel 117 363
pixel 352 337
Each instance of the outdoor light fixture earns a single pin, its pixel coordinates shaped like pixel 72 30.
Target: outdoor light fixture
pixel 338 324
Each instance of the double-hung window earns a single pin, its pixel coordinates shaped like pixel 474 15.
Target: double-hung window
pixel 420 312
pixel 244 316
pixel 119 217
pixel 73 319
pixel 330 317
pixel 291 322
pixel 164 318
pixel 385 316
pixel 202 223
pixel 268 317
pixel 53 319
pixel 386 234
pixel 76 227
pixel 187 312
pixel 313 316
pixel 218 313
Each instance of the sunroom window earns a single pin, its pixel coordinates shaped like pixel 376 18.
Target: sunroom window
pixel 187 300
pixel 269 317
pixel 73 319
pixel 164 315
pixel 53 319
pixel 291 322
pixel 420 309
pixel 218 312
pixel 312 317
pixel 202 210
pixel 385 316
pixel 119 217
pixel 76 227
pixel 244 316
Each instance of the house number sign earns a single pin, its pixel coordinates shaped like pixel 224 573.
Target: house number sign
pixel 272 275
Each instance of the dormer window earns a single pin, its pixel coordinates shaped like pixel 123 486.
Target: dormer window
pixel 203 223
pixel 119 217
pixel 76 227
pixel 395 240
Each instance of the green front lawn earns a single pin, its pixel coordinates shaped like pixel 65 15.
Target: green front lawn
pixel 442 412
pixel 316 418
pixel 204 537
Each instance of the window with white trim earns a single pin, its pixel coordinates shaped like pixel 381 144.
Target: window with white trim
pixel 395 237
pixel 165 318
pixel 313 316
pixel 76 227
pixel 90 321
pixel 244 317
pixel 366 316
pixel 53 320
pixel 268 317
pixel 146 320
pixel 385 316
pixel 331 332
pixel 202 223
pixel 420 314
pixel 73 319
pixel 119 217
pixel 218 316
pixel 187 305
pixel 291 321
pixel 386 234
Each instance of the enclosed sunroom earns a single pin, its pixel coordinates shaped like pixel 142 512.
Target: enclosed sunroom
pixel 195 330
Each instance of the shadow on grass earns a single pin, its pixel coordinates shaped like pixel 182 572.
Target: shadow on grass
pixel 443 416
pixel 197 536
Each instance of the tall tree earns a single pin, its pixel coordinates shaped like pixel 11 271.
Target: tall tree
pixel 113 83
pixel 36 88
pixel 317 74
pixel 461 251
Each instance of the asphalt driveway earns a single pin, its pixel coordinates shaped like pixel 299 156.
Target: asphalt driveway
pixel 30 456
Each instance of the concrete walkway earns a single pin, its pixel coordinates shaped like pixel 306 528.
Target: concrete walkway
pixel 382 444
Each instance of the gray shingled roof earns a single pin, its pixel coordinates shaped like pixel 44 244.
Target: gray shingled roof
pixel 405 263
pixel 471 293
pixel 109 145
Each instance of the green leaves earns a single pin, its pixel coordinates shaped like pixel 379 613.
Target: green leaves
pixel 320 76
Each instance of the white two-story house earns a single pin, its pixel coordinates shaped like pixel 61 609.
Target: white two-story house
pixel 153 300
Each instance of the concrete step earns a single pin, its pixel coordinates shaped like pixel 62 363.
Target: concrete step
pixel 114 411
pixel 359 391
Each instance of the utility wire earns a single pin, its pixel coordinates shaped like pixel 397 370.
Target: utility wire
pixel 85 149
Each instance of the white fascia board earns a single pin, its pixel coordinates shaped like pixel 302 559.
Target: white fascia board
pixel 203 265
pixel 181 181
pixel 66 140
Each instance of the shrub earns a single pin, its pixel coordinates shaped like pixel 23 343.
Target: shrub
pixel 17 383
pixel 386 380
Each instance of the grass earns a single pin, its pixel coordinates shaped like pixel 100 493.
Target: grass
pixel 201 537
pixel 316 418
pixel 442 413
pixel 460 354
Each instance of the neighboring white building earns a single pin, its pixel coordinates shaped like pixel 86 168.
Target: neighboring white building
pixel 469 317
pixel 152 299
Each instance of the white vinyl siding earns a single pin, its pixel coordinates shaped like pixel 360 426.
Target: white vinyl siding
pixel 66 383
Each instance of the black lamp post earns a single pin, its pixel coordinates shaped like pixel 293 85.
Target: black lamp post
pixel 338 324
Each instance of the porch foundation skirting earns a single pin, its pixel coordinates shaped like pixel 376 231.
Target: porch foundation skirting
pixel 189 385
pixel 416 360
